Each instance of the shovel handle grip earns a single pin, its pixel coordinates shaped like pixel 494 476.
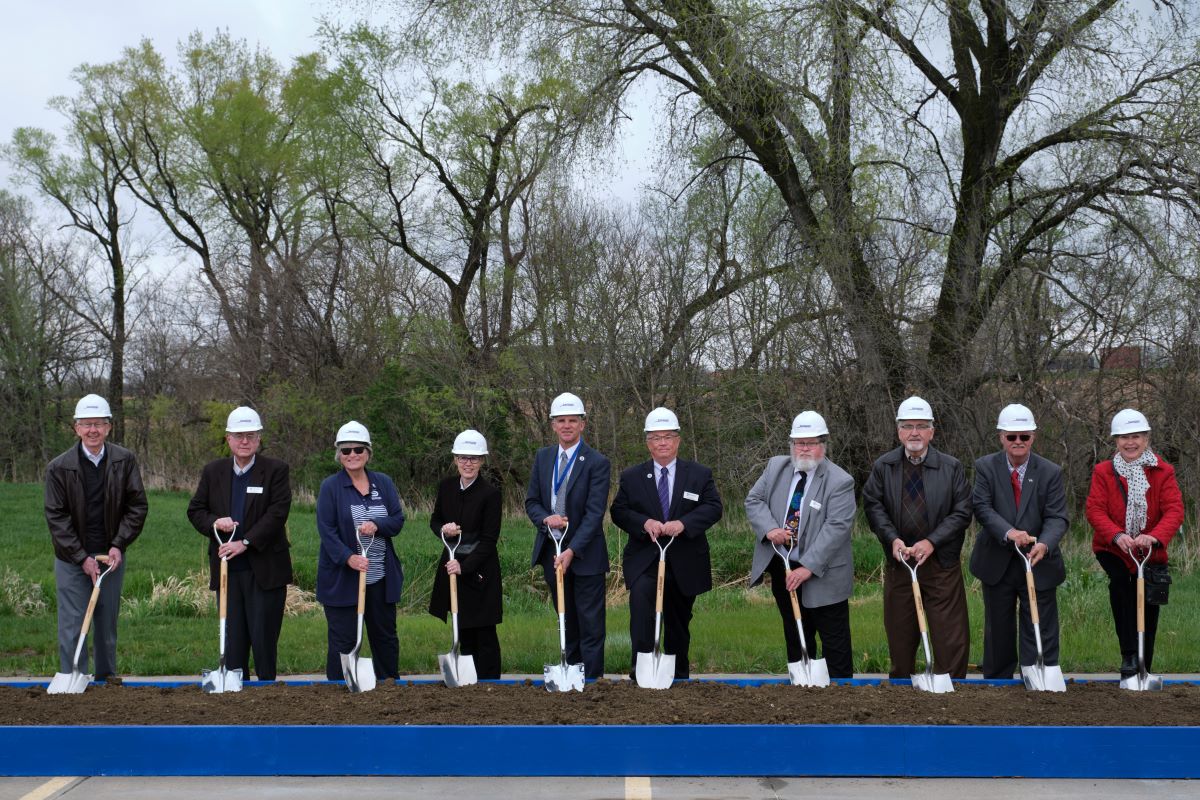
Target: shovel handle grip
pixel 453 593
pixel 223 598
pixel 362 592
pixel 558 585
pixel 920 607
pixel 1033 604
pixel 658 592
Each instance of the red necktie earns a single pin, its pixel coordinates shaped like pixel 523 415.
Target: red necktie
pixel 1016 483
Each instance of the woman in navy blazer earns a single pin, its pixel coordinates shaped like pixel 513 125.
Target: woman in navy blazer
pixel 358 498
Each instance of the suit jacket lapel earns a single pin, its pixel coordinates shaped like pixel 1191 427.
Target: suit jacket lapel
pixel 677 491
pixel 224 490
pixel 576 468
pixel 252 500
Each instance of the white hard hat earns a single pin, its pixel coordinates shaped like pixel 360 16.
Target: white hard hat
pixel 353 432
pixel 567 404
pixel 808 423
pixel 243 419
pixel 914 408
pixel 469 443
pixel 92 405
pixel 1015 417
pixel 662 419
pixel 1128 420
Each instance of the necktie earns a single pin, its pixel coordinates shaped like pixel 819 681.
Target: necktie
pixel 560 497
pixel 1016 484
pixel 664 493
pixel 793 517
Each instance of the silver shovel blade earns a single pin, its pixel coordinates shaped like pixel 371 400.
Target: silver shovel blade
pixel 359 673
pixel 457 670
pixel 563 677
pixel 654 671
pixel 1040 678
pixel 814 672
pixel 218 681
pixel 928 682
pixel 1143 683
pixel 68 683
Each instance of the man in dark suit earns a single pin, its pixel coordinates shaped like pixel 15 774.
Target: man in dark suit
pixel 676 498
pixel 1019 501
pixel 569 489
pixel 247 498
pixel 804 504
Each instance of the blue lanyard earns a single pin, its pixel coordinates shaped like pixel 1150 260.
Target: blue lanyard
pixel 558 480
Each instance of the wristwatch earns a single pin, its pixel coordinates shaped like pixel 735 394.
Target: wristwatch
pixel 246 542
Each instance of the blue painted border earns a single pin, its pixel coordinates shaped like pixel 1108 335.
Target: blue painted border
pixel 586 750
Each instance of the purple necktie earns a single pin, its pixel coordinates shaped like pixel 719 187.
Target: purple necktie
pixel 664 493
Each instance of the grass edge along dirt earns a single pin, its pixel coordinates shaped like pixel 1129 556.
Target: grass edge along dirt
pixel 168 618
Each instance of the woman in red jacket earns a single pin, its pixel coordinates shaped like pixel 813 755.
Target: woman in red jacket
pixel 1134 505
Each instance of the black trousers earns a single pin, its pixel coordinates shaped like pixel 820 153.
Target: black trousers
pixel 254 617
pixel 677 615
pixel 1000 628
pixel 483 645
pixel 830 622
pixel 1122 597
pixel 379 623
pixel 585 617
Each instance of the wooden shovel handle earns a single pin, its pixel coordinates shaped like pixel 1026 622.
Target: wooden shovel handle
pixel 91 609
pixel 1141 604
pixel 558 580
pixel 362 592
pixel 453 593
pixel 658 593
pixel 222 603
pixel 920 607
pixel 787 570
pixel 1033 605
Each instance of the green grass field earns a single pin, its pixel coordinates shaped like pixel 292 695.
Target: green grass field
pixel 168 620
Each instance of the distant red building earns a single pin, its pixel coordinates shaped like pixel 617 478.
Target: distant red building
pixel 1126 357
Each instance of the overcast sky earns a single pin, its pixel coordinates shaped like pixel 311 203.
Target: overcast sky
pixel 42 41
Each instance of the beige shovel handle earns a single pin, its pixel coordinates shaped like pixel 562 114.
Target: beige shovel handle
pixel 787 570
pixel 362 592
pixel 1141 604
pixel 91 609
pixel 662 577
pixel 223 602
pixel 920 607
pixel 453 593
pixel 1033 604
pixel 558 582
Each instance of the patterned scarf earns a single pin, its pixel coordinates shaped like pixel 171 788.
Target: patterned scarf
pixel 1134 473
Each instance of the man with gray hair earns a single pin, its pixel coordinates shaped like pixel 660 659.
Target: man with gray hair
pixel 804 505
pixel 918 503
pixel 95 506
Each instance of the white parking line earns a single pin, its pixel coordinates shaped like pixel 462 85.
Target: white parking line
pixel 49 788
pixel 637 789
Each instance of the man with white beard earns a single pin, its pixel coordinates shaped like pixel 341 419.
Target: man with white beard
pixel 918 502
pixel 803 505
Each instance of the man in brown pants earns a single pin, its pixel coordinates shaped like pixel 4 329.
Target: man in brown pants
pixel 918 502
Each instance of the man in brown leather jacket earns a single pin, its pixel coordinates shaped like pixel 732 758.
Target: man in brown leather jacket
pixel 95 505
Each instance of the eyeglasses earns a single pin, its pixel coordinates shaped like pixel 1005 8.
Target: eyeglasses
pixel 662 437
pixel 468 459
pixel 805 445
pixel 93 426
pixel 243 437
pixel 1024 437
pixel 358 451
pixel 908 427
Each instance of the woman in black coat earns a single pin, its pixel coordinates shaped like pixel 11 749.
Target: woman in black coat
pixel 468 508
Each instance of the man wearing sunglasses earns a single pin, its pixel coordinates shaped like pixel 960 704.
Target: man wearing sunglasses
pixel 1020 502
pixel 247 498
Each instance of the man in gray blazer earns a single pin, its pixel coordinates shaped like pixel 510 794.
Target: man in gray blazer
pixel 807 501
pixel 1019 501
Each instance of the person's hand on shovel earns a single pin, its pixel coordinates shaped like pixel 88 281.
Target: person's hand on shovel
pixel 779 536
pixel 900 551
pixel 565 559
pixel 921 550
pixel 796 577
pixel 654 528
pixel 672 528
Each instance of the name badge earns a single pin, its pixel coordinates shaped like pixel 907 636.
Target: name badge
pixel 690 496
pixel 814 505
pixel 254 490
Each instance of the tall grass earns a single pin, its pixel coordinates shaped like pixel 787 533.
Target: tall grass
pixel 168 620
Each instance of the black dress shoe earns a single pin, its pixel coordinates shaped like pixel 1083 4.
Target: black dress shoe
pixel 1129 666
pixel 110 679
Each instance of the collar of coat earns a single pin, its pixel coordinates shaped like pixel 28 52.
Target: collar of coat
pixel 934 458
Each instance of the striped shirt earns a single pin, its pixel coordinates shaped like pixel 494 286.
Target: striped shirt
pixel 371 507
